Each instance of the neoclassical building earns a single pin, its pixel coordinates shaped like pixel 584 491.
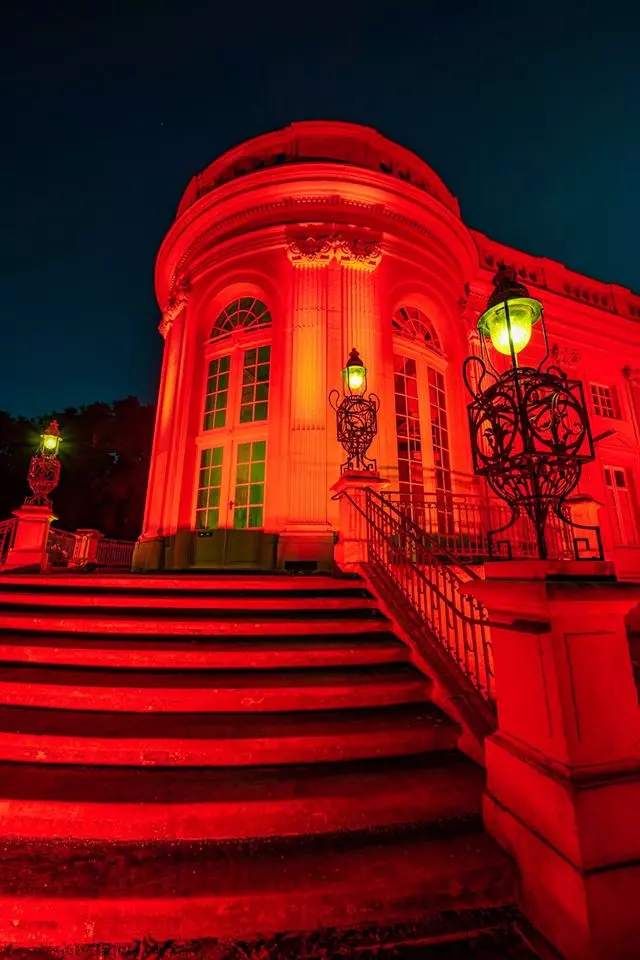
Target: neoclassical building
pixel 285 253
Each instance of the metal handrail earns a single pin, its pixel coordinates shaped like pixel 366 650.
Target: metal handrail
pixel 464 522
pixel 7 535
pixel 431 580
pixel 62 546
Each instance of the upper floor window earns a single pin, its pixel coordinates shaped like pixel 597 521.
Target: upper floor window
pixel 245 313
pixel 604 401
pixel 237 388
pixel 412 323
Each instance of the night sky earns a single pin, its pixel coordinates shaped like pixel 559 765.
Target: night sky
pixel 531 116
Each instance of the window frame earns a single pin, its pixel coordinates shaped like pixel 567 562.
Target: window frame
pixel 596 404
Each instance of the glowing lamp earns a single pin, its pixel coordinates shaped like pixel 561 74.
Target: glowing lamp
pixel 510 315
pixel 509 324
pixel 354 376
pixel 50 439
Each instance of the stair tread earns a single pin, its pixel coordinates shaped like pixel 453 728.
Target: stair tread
pixel 159 785
pixel 84 724
pixel 178 870
pixel 201 623
pixel 353 676
pixel 192 581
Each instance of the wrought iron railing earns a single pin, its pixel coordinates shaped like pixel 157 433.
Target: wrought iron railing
pixel 431 580
pixel 462 525
pixel 62 547
pixel 114 553
pixel 7 535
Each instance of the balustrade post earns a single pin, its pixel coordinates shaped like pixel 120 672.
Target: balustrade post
pixel 29 548
pixel 563 768
pixel 86 550
pixel 351 491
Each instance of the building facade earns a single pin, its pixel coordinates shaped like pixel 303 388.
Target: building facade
pixel 285 253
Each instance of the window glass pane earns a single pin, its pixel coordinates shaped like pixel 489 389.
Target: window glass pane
pixel 216 395
pixel 250 476
pixel 209 486
pixel 408 437
pixel 255 385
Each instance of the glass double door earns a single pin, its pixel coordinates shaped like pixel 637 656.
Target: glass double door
pixel 229 516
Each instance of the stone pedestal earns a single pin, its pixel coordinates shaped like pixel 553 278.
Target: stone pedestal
pixel 30 543
pixel 563 768
pixel 148 554
pixel 351 489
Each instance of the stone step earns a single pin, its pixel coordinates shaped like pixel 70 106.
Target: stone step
pixel 213 691
pixel 224 739
pixel 151 622
pixel 56 893
pixel 263 603
pixel 232 653
pixel 40 800
pixel 191 583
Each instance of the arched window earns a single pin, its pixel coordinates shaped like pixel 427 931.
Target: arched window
pixel 245 313
pixel 412 323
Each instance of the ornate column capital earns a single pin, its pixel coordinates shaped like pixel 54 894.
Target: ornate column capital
pixel 632 374
pixel 358 251
pixel 173 307
pixel 317 247
pixel 310 249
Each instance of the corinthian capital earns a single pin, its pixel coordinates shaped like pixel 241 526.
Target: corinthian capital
pixel 359 251
pixel 174 305
pixel 310 248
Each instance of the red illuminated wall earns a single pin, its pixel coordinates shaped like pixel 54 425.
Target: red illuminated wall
pixel 351 240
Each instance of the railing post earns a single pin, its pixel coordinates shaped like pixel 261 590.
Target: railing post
pixel 351 491
pixel 86 548
pixel 30 542
pixel 563 768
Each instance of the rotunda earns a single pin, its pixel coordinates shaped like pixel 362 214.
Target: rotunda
pixel 287 252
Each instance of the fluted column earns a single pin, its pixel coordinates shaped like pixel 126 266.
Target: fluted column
pixel 307 482
pixel 171 328
pixel 359 255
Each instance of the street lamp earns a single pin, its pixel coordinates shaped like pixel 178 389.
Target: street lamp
pixel 529 427
pixel 44 468
pixel 356 415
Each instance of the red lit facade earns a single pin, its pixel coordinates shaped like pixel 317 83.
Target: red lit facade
pixel 288 251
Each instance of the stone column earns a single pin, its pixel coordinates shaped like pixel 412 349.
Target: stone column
pixel 307 537
pixel 563 768
pixel 358 256
pixel 164 485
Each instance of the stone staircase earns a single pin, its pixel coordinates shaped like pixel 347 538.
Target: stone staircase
pixel 190 757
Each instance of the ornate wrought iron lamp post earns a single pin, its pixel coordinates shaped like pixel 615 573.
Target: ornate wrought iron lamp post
pixel 44 469
pixel 530 432
pixel 356 415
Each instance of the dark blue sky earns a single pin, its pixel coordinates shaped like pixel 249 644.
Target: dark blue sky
pixel 530 114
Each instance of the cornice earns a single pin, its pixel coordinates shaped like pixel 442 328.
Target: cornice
pixel 361 195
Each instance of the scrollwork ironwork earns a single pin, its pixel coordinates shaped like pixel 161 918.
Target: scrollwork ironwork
pixel 530 436
pixel 357 426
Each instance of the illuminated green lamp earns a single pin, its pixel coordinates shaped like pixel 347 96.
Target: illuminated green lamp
pixel 354 375
pixel 50 439
pixel 510 315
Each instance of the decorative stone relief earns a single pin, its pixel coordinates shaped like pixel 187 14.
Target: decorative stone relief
pixel 349 248
pixel 174 305
pixel 565 356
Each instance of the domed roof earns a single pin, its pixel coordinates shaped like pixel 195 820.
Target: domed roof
pixel 320 141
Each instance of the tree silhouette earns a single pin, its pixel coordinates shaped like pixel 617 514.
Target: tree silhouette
pixel 105 463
